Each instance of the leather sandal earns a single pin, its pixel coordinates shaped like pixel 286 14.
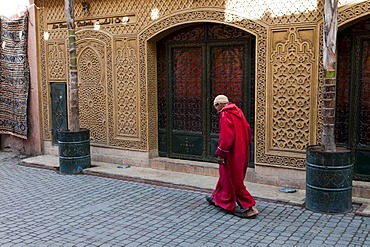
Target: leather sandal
pixel 246 213
pixel 252 212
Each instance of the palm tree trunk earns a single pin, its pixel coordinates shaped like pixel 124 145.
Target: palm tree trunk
pixel 329 50
pixel 73 79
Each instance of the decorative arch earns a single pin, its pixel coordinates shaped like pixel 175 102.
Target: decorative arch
pixel 148 81
pixel 353 12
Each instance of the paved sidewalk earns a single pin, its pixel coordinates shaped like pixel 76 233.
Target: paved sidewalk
pixel 41 207
pixel 184 181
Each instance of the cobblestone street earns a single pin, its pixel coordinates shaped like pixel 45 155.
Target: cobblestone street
pixel 43 208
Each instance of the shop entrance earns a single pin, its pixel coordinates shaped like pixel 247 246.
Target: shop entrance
pixel 195 64
pixel 352 128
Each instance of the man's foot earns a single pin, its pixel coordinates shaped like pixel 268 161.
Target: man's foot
pixel 209 199
pixel 250 213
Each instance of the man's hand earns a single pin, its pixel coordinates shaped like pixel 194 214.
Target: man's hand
pixel 221 160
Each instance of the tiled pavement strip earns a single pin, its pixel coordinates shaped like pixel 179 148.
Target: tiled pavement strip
pixel 40 207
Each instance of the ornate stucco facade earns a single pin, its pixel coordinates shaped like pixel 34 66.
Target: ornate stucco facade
pixel 118 73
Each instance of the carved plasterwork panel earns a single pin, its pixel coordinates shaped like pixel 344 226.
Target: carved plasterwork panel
pixel 92 80
pixel 125 91
pixel 292 74
pixel 320 89
pixel 45 89
pixel 270 12
pixel 152 97
pixel 57 62
pixel 109 103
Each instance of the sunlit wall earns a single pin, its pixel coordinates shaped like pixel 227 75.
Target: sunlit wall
pixel 13 7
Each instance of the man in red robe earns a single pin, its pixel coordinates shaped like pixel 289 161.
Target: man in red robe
pixel 232 156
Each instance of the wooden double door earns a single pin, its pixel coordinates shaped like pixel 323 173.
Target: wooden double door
pixel 353 96
pixel 195 64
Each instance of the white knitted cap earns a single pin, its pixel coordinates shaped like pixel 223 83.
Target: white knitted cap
pixel 221 99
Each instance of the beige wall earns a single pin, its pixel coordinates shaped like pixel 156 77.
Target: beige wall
pixel 119 98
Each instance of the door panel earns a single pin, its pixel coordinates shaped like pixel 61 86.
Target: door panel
pixel 362 120
pixel 187 144
pixel 227 76
pixel 58 109
pixel 352 127
pixel 194 65
pixel 187 125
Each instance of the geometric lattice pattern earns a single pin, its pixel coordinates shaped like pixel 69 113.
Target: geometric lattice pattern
pixel 126 85
pixel 92 88
pixel 57 62
pixel 292 67
pixel 270 12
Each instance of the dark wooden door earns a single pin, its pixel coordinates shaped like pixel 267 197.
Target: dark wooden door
pixel 58 109
pixel 353 97
pixel 194 65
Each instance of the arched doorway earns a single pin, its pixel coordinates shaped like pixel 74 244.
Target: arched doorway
pixel 352 127
pixel 195 64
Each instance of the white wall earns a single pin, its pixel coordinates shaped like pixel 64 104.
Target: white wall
pixel 13 8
